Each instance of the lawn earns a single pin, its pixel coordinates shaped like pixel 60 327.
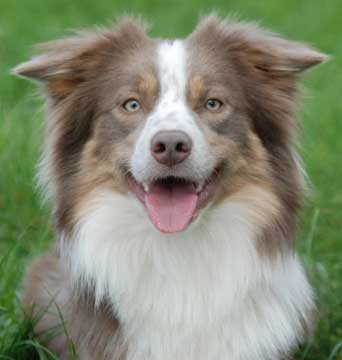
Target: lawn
pixel 24 222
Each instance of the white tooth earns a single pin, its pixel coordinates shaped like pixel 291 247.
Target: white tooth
pixel 146 187
pixel 199 186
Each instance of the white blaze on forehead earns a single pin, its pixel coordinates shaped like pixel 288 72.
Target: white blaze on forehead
pixel 171 111
pixel 172 66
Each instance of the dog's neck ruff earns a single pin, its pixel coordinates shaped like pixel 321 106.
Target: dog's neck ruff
pixel 201 294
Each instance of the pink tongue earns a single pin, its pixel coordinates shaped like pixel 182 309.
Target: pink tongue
pixel 171 208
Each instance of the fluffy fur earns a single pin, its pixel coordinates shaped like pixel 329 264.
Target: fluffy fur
pixel 230 285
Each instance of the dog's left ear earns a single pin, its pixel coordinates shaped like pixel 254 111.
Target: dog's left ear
pixel 270 53
pixel 257 48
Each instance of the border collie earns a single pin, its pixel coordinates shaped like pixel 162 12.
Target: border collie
pixel 175 185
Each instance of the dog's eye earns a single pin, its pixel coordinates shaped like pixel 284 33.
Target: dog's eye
pixel 131 105
pixel 213 104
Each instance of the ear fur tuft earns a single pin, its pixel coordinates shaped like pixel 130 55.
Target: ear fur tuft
pixel 67 62
pixel 262 49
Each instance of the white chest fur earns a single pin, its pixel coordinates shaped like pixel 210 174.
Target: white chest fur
pixel 201 294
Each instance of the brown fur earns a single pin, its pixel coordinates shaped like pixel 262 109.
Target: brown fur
pixel 90 141
pixel 87 328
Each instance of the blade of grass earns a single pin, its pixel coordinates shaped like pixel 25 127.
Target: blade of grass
pixel 336 350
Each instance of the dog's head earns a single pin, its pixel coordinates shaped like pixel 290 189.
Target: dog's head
pixel 181 124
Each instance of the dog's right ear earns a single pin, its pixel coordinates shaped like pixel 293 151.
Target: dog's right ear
pixel 64 64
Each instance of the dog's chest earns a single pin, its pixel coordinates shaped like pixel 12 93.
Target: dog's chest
pixel 177 307
pixel 208 342
pixel 212 314
pixel 201 295
pixel 178 323
pixel 194 313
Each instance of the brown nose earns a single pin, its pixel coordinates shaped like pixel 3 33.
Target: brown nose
pixel 171 147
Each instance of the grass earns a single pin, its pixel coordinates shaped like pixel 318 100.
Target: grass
pixel 24 223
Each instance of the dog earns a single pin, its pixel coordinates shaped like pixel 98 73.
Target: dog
pixel 175 185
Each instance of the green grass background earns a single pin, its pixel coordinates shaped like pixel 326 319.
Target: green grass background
pixel 24 222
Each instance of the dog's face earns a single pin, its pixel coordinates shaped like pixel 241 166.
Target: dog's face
pixel 181 124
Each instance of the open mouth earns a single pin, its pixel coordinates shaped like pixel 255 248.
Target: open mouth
pixel 172 203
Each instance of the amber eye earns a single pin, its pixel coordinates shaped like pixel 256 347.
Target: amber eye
pixel 213 104
pixel 131 105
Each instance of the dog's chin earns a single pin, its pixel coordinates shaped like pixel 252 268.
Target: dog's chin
pixel 173 203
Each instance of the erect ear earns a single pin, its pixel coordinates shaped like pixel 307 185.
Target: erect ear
pixel 64 64
pixel 262 49
pixel 269 52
